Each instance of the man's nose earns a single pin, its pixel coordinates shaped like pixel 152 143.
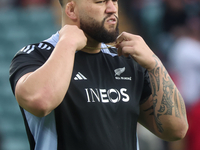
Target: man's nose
pixel 111 7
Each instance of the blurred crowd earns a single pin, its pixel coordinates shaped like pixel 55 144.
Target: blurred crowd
pixel 172 30
pixel 23 3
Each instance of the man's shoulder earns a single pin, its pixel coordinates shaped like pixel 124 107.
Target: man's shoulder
pixel 42 46
pixel 45 46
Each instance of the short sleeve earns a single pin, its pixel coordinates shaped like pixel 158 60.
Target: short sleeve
pixel 146 91
pixel 28 59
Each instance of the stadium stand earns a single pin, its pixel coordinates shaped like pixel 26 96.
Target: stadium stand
pixel 18 28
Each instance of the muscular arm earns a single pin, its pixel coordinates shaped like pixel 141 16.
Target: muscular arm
pixel 41 91
pixel 164 112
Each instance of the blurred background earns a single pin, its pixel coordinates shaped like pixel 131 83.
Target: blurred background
pixel 170 27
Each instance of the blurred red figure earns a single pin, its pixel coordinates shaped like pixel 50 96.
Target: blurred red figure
pixel 193 135
pixel 185 65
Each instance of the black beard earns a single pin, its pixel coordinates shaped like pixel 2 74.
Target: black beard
pixel 97 31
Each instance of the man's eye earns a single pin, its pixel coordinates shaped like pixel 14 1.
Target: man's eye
pixel 100 2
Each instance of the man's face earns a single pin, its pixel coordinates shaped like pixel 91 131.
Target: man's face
pixel 100 21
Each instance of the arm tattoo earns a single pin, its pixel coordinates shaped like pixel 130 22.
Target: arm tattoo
pixel 182 105
pixel 177 113
pixel 155 73
pixel 170 99
pixel 153 85
pixel 166 103
pixel 150 108
pixel 158 122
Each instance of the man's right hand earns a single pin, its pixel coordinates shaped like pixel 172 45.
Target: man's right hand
pixel 72 35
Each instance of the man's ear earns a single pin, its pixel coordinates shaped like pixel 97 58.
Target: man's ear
pixel 70 10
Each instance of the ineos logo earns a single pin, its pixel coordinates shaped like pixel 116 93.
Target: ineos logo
pixel 106 96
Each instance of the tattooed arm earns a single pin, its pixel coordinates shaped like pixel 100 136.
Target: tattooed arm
pixel 164 112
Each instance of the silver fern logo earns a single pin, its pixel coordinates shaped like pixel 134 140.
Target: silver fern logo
pixel 119 71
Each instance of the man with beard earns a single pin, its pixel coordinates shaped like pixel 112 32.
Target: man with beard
pixel 77 93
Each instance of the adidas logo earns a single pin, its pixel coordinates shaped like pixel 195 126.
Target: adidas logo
pixel 28 49
pixel 79 76
pixel 44 46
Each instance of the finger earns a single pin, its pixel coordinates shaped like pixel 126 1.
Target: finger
pixel 125 51
pixel 128 50
pixel 125 54
pixel 126 43
pixel 121 38
pixel 123 46
pixel 119 51
pixel 122 53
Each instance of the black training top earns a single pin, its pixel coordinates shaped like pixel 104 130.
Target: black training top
pixel 101 107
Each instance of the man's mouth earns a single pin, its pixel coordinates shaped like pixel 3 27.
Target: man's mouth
pixel 111 20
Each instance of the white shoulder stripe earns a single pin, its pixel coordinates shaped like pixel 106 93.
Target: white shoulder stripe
pixel 48 48
pixel 44 46
pixel 28 49
pixel 32 49
pixel 40 45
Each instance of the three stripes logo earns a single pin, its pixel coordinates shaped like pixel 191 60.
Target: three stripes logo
pixel 79 76
pixel 28 49
pixel 44 46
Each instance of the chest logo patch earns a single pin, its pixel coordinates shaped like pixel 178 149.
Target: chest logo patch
pixel 119 71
